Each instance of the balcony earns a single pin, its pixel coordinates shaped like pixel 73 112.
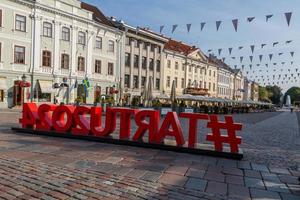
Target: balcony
pixel 46 70
pixel 65 71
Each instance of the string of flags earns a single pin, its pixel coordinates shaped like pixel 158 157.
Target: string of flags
pixel 252 47
pixel 235 22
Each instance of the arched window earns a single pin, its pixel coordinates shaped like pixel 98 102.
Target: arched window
pixel 65 34
pixel 47 29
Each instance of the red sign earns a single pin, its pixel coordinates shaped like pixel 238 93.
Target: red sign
pixel 84 120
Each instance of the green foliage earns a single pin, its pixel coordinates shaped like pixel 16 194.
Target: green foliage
pixel 263 94
pixel 270 94
pixel 79 99
pixel 294 93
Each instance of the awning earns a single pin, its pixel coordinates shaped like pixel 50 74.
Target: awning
pixel 45 86
pixel 3 85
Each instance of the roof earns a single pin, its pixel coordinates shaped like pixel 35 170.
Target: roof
pixel 180 47
pixel 98 16
pixel 220 63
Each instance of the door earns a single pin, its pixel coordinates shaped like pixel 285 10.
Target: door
pixel 18 94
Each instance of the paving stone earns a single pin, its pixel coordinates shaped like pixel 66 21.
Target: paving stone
pixel 173 179
pixel 270 177
pixel 216 188
pixel 254 183
pixel 233 171
pixel 136 173
pixel 258 167
pixel 280 171
pixel 214 176
pixel 238 191
pixel 196 173
pixel 258 194
pixel 286 196
pixel 151 176
pixel 294 188
pixel 252 174
pixel 289 179
pixel 196 183
pixel 244 165
pixel 277 187
pixel 180 170
pixel 238 180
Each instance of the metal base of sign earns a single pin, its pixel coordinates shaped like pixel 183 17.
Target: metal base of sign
pixel 112 140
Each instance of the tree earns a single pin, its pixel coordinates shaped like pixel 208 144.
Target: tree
pixel 263 94
pixel 294 93
pixel 274 93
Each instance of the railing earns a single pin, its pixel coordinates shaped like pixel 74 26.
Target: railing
pixel 65 71
pixel 47 70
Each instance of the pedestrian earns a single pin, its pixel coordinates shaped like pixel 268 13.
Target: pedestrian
pixel 292 109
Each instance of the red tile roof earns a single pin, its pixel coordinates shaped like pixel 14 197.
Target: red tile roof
pixel 97 14
pixel 180 47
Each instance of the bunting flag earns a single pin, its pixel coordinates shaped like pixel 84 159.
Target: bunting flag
pixel 251 58
pixel 235 24
pixel 243 67
pixel 268 17
pixel 270 56
pixel 235 66
pixel 257 65
pixel 219 51
pixel 288 16
pixel 292 62
pixel 282 63
pixel 233 58
pixel 161 28
pixel 292 53
pixel 275 43
pixel 241 59
pixel 274 63
pixel 289 41
pixel 230 50
pixel 174 28
pixel 188 27
pixel 280 54
pixel 252 48
pixel 250 66
pixel 267 65
pixel 218 23
pixel 209 50
pixel 223 59
pixel 263 45
pixel 241 47
pixel 202 25
pixel 260 57
pixel 250 19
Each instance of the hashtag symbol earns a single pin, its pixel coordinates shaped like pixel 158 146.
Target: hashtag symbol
pixel 218 139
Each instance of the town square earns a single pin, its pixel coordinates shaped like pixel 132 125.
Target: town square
pixel 153 99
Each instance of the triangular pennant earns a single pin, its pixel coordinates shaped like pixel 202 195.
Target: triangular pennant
pixel 223 59
pixel 257 65
pixel 241 59
pixel 250 66
pixel 235 66
pixel 268 17
pixel 218 23
pixel 280 54
pixel 251 58
pixel 209 50
pixel 274 63
pixel 235 24
pixel 243 66
pixel 288 16
pixel 260 57
pixel 174 27
pixel 270 56
pixel 250 19
pixel 288 41
pixel 161 28
pixel 275 43
pixel 282 63
pixel 292 53
pixel 233 58
pixel 292 62
pixel 202 25
pixel 262 45
pixel 219 51
pixel 230 50
pixel 188 27
pixel 267 65
pixel 252 48
pixel 241 47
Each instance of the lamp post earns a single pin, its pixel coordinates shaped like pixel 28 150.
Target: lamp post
pixel 23 85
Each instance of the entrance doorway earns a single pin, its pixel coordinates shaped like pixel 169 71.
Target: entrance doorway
pixel 17 94
pixel 97 94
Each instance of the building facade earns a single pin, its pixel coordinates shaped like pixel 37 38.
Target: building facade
pixel 254 91
pixel 238 85
pixel 67 50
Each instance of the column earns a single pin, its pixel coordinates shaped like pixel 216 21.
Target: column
pixel 89 57
pixel 140 64
pixel 147 65
pixel 37 44
pixel 73 50
pixel 131 63
pixel 154 68
pixel 56 46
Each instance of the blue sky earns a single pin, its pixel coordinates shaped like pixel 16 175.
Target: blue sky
pixel 154 13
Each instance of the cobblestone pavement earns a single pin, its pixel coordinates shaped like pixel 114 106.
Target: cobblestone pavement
pixel 37 167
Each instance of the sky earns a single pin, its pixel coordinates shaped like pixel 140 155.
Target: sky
pixel 156 13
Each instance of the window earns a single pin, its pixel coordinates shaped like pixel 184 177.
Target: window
pixel 195 70
pixel 176 81
pixel 1 95
pixel 98 66
pixel 46 61
pixel 145 45
pixel 81 38
pixel 209 86
pixel 169 63
pixel 151 64
pixel 127 59
pixel 110 70
pixel 143 83
pixel 127 80
pixel 152 47
pixel 127 42
pixel 81 64
pixel 136 61
pixel 209 72
pixel 190 82
pixel 182 83
pixel 183 68
pixel 157 83
pixel 111 46
pixel 19 55
pixel 65 34
pixel 204 85
pixel 159 49
pixel 136 43
pixel 0 18
pixel 20 23
pixel 136 81
pixel 144 63
pixel 176 65
pixel 214 87
pixel 158 65
pixel 65 59
pixel 47 29
pixel 200 84
pixel 98 42
pixel 190 68
pixel 168 81
pixel 214 73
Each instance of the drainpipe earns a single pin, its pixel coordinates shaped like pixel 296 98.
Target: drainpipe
pixel 33 51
